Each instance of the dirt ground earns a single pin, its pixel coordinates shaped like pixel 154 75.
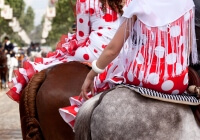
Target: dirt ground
pixel 9 118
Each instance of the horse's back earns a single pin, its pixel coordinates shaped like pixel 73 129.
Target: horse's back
pixel 124 114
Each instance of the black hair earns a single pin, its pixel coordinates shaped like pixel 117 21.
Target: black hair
pixel 115 5
pixel 6 38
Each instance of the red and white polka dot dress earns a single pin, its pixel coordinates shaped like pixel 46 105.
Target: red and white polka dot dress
pixel 95 29
pixel 156 58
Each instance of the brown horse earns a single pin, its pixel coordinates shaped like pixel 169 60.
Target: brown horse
pixel 3 69
pixel 46 92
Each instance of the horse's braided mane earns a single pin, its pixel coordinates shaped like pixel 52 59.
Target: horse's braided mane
pixel 33 131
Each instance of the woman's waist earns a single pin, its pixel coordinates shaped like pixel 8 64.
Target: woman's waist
pixel 161 69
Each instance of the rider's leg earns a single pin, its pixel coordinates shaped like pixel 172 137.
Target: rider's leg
pixel 10 73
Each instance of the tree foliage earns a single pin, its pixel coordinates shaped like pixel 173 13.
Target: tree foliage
pixel 63 21
pixel 26 20
pixel 17 5
pixel 36 34
pixel 18 8
pixel 61 24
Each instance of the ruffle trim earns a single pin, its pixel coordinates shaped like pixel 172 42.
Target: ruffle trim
pixel 66 45
pixel 23 75
pixel 69 113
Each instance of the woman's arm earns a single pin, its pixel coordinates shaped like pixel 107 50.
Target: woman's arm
pixel 107 56
pixel 115 45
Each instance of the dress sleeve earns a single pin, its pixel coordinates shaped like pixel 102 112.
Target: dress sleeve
pixel 83 21
pixel 133 8
pixel 156 13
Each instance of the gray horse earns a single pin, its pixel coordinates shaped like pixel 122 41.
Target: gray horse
pixel 123 114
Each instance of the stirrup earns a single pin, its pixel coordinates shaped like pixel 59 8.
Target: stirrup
pixel 195 90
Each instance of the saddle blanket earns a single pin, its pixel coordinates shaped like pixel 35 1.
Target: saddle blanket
pixel 184 98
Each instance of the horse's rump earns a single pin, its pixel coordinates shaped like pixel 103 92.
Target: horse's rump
pixel 59 83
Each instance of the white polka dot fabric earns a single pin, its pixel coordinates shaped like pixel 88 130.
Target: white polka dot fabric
pixel 95 29
pixel 156 58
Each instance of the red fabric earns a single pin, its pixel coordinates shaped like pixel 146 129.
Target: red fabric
pixel 13 95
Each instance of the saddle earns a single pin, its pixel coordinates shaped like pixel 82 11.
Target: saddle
pixel 194 88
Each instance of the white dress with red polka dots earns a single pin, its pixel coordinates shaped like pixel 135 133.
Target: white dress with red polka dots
pixel 154 63
pixel 95 29
pixel 154 57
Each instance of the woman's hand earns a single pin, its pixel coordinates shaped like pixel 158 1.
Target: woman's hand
pixel 88 85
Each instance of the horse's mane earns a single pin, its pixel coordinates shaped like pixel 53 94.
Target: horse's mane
pixel 33 131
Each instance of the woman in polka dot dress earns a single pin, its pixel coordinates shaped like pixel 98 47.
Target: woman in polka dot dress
pixel 96 26
pixel 154 41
